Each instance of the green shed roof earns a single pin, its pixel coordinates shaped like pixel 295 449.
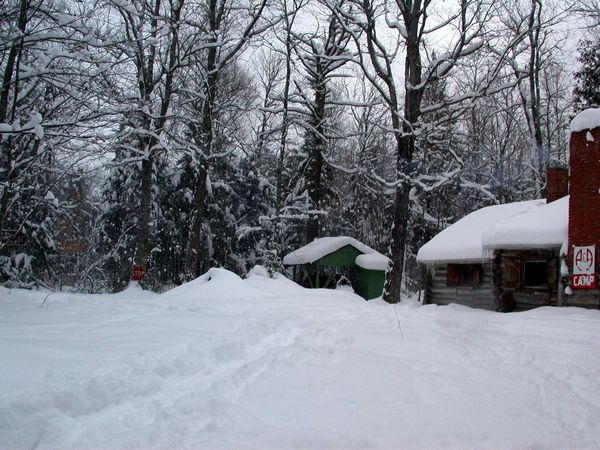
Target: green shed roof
pixel 321 247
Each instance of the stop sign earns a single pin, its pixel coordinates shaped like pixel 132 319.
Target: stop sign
pixel 137 273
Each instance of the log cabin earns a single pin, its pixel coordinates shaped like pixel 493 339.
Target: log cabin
pixel 526 254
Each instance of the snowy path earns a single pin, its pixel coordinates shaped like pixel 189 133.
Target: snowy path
pixel 262 363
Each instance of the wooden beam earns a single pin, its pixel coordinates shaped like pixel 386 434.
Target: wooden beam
pixel 328 280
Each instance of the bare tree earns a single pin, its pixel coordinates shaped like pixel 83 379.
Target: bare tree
pixel 589 8
pixel 149 52
pixel 410 23
pixel 49 69
pixel 529 62
pixel 290 13
pixel 321 56
pixel 229 28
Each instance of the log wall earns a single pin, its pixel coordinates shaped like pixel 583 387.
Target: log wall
pixel 508 277
pixel 585 298
pixel 501 286
pixel 438 292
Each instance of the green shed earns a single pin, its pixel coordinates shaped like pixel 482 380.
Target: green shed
pixel 320 263
pixel 371 273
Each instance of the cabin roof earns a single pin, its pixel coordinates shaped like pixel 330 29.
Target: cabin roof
pixel 321 247
pixel 544 227
pixel 463 241
pixel 588 119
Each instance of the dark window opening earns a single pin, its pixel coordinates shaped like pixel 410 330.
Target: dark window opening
pixel 464 274
pixel 535 274
pixel 328 276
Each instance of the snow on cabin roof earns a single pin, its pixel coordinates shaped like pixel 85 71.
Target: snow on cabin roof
pixel 372 261
pixel 321 247
pixel 463 240
pixel 543 227
pixel 588 119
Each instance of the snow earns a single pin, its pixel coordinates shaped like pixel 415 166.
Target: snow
pixel 568 290
pixel 6 128
pixel 530 224
pixel 216 283
pixel 462 241
pixel 50 197
pixel 564 268
pixel 34 125
pixel 321 247
pixel 372 261
pixel 273 365
pixel 543 227
pixel 588 119
pixel 395 23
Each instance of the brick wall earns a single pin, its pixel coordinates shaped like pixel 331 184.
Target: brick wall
pixel 584 203
pixel 557 183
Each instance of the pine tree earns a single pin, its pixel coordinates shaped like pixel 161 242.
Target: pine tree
pixel 116 222
pixel 587 79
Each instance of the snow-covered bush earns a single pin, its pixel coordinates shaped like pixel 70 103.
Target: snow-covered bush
pixel 16 271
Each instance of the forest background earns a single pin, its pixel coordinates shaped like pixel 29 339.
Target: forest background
pixel 184 134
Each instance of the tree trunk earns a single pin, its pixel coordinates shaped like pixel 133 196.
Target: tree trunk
pixel 538 153
pixel 284 123
pixel 315 188
pixel 6 157
pixel 204 140
pixel 147 86
pixel 192 266
pixel 393 279
pixel 142 244
pixel 316 148
pixel 406 146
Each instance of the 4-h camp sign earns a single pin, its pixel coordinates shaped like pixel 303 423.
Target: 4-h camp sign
pixel 584 267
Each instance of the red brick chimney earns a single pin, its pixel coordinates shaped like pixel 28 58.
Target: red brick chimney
pixel 557 182
pixel 584 202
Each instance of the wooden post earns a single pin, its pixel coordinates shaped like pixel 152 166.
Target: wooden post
pixel 560 293
pixel 328 280
pixel 318 267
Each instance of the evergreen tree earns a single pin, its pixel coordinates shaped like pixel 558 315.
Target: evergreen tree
pixel 587 79
pixel 116 222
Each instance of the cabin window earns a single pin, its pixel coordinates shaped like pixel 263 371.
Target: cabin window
pixel 535 274
pixel 464 274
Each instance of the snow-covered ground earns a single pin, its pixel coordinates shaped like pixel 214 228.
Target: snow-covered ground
pixel 260 363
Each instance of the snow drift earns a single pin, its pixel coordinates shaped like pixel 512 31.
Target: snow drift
pixel 225 362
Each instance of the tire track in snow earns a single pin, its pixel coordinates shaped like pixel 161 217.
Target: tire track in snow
pixel 220 366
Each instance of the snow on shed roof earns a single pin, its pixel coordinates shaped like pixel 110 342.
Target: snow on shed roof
pixel 463 240
pixel 372 261
pixel 321 247
pixel 543 227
